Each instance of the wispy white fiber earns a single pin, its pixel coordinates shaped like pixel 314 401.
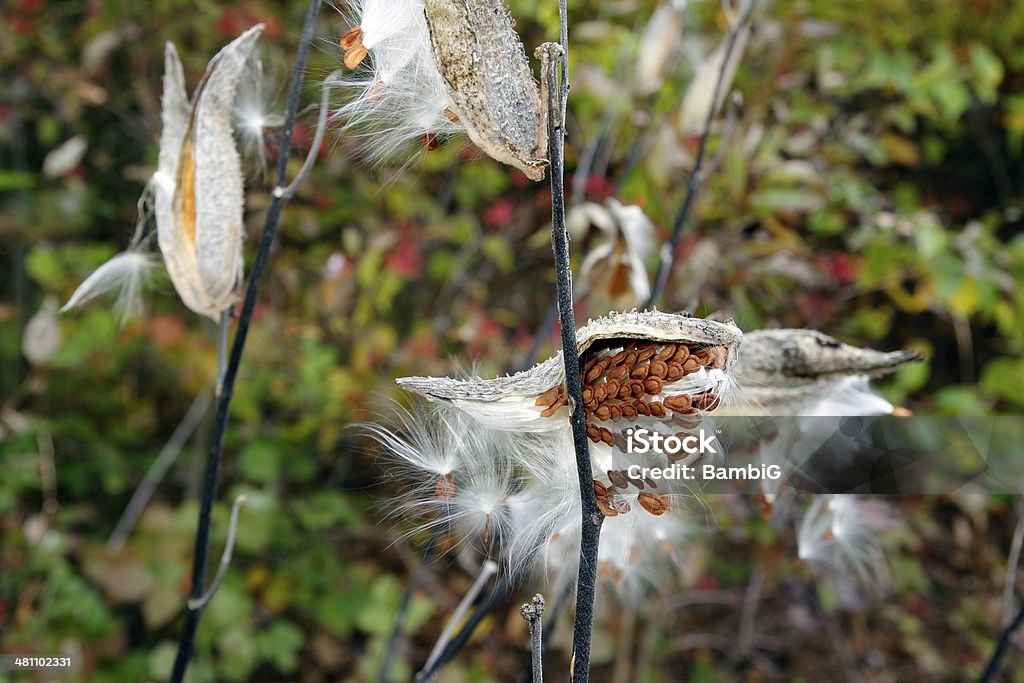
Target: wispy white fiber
pixel 128 272
pixel 396 95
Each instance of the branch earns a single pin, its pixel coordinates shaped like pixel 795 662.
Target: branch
pixel 225 558
pixel 532 612
pixel 668 251
pixel 188 634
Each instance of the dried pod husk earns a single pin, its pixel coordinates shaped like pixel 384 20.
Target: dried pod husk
pixel 800 371
pixel 199 183
pixel 493 93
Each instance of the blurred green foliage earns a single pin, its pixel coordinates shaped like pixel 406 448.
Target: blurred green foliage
pixel 871 187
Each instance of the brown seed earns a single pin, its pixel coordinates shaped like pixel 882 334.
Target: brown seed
pixel 553 408
pixel 594 433
pixel 606 509
pixel 681 354
pixel 640 372
pixel 618 374
pixel 719 355
pixel 600 392
pixel 666 352
pixel 652 502
pixel 631 359
pixel 355 56
pixel 657 409
pixel 618 358
pixel 450 115
pixel 600 490
pixel 691 366
pixel 351 38
pixel 636 389
pixel 606 436
pixel 707 401
pixel 639 483
pixel 703 356
pixel 611 389
pixel 620 442
pixel 653 386
pixel 445 486
pixel 616 411
pixel 597 370
pixel 642 407
pixel 628 410
pixel 603 412
pixel 658 369
pixel 549 396
pixel 626 390
pixel 678 404
pixel 588 395
pixel 617 479
pixel 589 364
pixel 646 354
pixel 430 141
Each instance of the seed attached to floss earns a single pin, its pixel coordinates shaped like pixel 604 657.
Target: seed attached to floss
pixel 430 141
pixel 445 487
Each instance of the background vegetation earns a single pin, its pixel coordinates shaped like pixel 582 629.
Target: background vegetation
pixel 871 187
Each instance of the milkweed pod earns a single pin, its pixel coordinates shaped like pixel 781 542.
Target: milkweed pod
pixel 485 68
pixel 199 184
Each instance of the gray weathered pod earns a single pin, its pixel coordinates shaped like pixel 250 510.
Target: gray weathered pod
pixel 198 184
pixel 789 369
pixel 493 93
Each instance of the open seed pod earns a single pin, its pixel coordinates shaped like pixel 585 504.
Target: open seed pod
pixel 683 360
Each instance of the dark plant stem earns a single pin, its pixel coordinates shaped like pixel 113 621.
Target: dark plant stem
pixel 1004 643
pixel 186 644
pixel 591 517
pixel 668 251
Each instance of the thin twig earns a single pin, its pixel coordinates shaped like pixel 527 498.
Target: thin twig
pixel 499 591
pixel 168 454
pixel 1003 645
pixel 532 612
pixel 318 138
pixel 188 633
pixel 668 251
pixel 225 558
pixel 1012 562
pixel 486 572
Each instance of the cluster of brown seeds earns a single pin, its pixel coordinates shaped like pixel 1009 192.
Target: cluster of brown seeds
pixel 624 385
